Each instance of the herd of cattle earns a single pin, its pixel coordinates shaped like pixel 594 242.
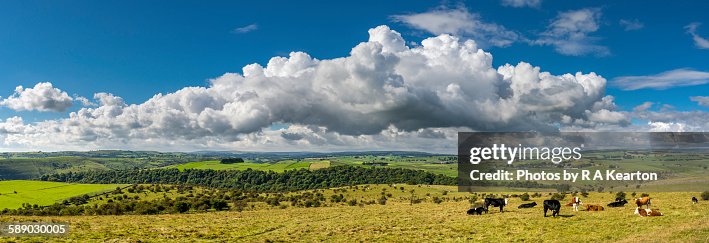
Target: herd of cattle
pixel 555 206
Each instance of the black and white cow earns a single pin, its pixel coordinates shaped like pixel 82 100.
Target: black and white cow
pixel 553 205
pixel 495 202
pixel 478 211
pixel 616 204
pixel 694 200
pixel 528 205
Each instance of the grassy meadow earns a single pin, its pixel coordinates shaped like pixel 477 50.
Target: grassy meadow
pixel 399 220
pixel 14 193
pixel 430 163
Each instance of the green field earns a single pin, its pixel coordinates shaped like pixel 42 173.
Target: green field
pixel 432 164
pixel 400 221
pixel 14 193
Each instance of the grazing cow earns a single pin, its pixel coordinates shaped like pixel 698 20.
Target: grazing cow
pixel 643 201
pixel 618 204
pixel 594 208
pixel 647 212
pixel 694 200
pixel 575 201
pixel 528 205
pixel 553 205
pixel 495 202
pixel 478 211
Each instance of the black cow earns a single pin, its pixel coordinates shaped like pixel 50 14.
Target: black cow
pixel 528 205
pixel 478 211
pixel 616 204
pixel 694 200
pixel 495 202
pixel 553 205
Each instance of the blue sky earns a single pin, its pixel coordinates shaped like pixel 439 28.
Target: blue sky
pixel 136 49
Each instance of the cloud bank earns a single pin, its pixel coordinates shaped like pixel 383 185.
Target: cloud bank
pixel 383 95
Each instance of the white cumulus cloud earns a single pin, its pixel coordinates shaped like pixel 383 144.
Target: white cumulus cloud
pixel 384 94
pixel 43 97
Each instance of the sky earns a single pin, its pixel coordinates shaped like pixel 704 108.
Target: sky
pixel 360 75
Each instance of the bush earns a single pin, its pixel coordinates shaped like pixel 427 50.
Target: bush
pixel 620 195
pixel 524 197
pixel 644 195
pixel 558 196
pixel 382 200
pixel 182 207
pixel 705 195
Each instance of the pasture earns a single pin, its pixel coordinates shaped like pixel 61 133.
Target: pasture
pixel 14 193
pixel 430 163
pixel 400 220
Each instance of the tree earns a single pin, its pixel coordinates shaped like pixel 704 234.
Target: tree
pixel 232 160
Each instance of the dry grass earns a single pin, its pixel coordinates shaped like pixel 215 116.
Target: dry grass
pixel 400 222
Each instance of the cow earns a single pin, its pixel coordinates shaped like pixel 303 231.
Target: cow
pixel 478 211
pixel 694 200
pixel 553 205
pixel 643 201
pixel 594 208
pixel 575 201
pixel 528 205
pixel 495 202
pixel 647 212
pixel 618 204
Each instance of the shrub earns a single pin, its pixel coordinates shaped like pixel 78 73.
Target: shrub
pixel 557 196
pixel 705 195
pixel 524 197
pixel 620 195
pixel 382 200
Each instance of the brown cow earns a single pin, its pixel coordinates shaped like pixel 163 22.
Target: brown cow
pixel 643 201
pixel 648 212
pixel 594 208
pixel 575 201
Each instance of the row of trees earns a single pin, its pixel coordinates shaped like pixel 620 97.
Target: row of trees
pixel 258 181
